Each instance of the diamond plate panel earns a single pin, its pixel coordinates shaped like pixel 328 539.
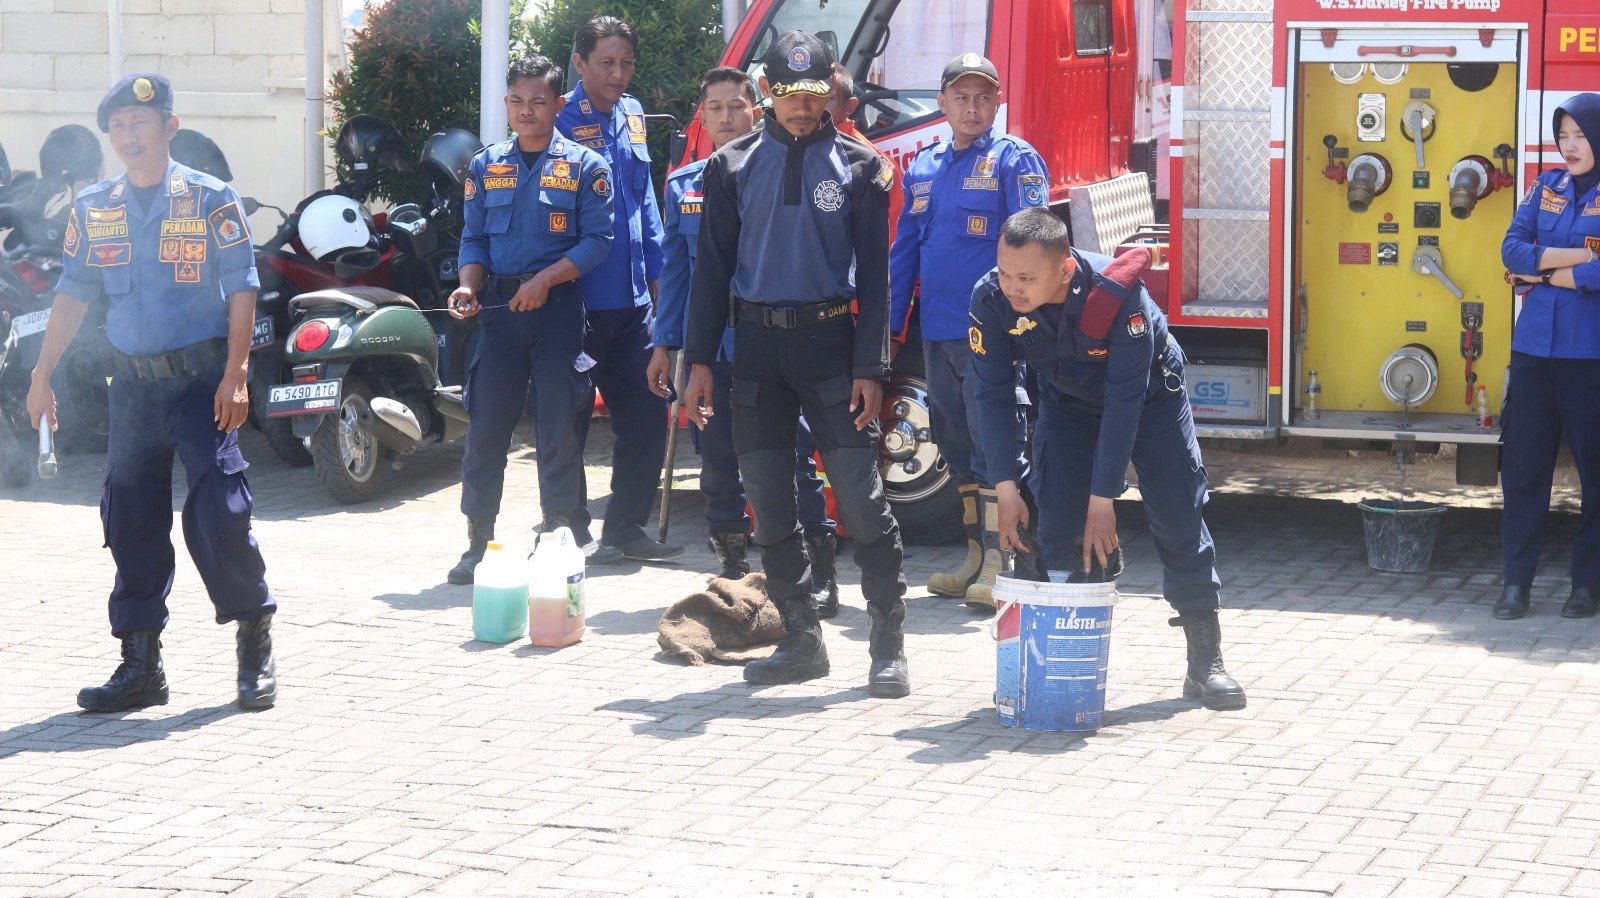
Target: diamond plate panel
pixel 1106 213
pixel 1245 245
pixel 1229 164
pixel 1228 66
pixel 1231 5
pixel 1235 165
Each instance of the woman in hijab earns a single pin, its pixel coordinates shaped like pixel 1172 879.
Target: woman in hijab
pixel 1551 252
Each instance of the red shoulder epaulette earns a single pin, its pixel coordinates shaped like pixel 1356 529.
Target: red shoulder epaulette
pixel 1113 285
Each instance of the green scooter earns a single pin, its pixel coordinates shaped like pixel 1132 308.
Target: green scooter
pixel 376 377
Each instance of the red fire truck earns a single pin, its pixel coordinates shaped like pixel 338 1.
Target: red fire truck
pixel 1342 173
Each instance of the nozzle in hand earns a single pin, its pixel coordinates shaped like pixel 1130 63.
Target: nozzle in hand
pixel 47 450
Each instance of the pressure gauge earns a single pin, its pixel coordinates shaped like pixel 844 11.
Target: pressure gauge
pixel 1347 72
pixel 1389 72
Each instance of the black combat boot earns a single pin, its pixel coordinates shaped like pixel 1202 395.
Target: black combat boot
pixel 890 676
pixel 1513 603
pixel 731 548
pixel 479 532
pixel 138 682
pixel 1581 603
pixel 824 577
pixel 1206 679
pixel 800 656
pixel 258 670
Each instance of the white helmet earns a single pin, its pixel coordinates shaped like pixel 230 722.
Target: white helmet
pixel 338 229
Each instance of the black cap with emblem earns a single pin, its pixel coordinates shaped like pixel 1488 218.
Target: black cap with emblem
pixel 799 62
pixel 968 64
pixel 147 89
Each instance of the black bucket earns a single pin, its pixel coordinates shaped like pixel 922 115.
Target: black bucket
pixel 1400 535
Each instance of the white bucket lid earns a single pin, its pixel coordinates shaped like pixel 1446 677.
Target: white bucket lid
pixel 1009 589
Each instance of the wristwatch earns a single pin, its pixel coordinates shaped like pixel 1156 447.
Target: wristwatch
pixel 1544 276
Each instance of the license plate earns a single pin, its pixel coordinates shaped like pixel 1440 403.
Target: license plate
pixel 30 324
pixel 262 335
pixel 314 398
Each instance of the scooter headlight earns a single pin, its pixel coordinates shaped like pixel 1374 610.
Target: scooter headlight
pixel 311 336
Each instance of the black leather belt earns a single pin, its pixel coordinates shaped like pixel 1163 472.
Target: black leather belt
pixel 508 284
pixel 195 358
pixel 791 317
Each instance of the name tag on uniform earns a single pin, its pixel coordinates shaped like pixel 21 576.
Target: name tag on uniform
pixel 106 231
pixel 184 227
pixel 500 176
pixel 981 184
pixel 555 183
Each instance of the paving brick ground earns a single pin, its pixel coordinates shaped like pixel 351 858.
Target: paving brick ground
pixel 1398 741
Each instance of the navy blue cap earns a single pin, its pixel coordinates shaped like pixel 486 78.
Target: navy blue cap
pixel 799 62
pixel 146 89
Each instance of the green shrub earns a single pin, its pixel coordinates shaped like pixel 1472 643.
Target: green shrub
pixel 415 63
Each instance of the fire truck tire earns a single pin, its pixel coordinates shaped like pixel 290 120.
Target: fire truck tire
pixel 266 369
pixel 926 503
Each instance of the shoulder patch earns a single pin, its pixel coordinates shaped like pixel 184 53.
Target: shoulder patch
pixel 602 182
pixel 884 179
pixel 1033 190
pixel 1137 326
pixel 228 225
pixel 469 188
pixel 73 239
pixel 975 340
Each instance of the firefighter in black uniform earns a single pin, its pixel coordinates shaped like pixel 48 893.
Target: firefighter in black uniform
pixel 1110 391
pixel 796 229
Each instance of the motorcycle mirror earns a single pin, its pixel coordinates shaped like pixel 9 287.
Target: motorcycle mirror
pixel 251 207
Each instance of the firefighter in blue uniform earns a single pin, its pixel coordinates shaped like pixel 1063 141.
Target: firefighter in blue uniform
pixel 728 109
pixel 598 114
pixel 1110 390
pixel 538 215
pixel 958 193
pixel 170 248
pixel 793 248
pixel 1554 245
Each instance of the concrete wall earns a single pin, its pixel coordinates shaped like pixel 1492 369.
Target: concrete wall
pixel 237 68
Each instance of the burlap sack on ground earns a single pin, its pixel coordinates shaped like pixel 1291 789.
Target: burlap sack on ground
pixel 731 622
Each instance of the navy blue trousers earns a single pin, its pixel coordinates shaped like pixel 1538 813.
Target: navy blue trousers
pixel 719 468
pixel 1550 399
pixel 619 341
pixel 150 422
pixel 953 410
pixel 1172 480
pixel 525 361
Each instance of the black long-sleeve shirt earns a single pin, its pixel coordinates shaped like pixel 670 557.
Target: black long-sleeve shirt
pixel 791 222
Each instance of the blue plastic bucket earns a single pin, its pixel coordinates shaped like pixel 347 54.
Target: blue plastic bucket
pixel 1053 646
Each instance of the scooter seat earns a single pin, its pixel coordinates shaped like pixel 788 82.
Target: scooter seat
pixel 362 299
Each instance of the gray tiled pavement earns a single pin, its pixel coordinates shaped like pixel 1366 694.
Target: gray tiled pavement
pixel 1398 741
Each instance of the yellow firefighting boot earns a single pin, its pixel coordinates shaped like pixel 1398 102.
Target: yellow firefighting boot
pixel 981 593
pixel 955 583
